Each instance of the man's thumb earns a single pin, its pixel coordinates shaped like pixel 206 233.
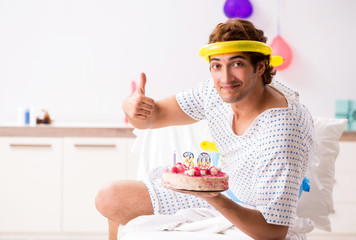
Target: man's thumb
pixel 142 86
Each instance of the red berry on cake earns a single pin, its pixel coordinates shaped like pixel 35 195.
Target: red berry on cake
pixel 197 171
pixel 174 170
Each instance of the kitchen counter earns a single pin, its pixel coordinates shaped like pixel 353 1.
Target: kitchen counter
pixel 348 136
pixel 89 130
pixel 69 130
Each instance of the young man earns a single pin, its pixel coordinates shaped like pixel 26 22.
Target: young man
pixel 265 138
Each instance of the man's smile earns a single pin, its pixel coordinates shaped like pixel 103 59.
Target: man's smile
pixel 230 87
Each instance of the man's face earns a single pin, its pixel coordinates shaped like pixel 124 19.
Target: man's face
pixel 234 76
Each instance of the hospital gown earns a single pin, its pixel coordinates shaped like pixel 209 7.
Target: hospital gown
pixel 266 164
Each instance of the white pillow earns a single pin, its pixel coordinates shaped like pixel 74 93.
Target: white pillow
pixel 318 203
pixel 155 147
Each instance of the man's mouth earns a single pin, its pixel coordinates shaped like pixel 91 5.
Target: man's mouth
pixel 230 87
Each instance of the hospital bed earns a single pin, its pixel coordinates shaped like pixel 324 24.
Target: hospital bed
pixel 155 148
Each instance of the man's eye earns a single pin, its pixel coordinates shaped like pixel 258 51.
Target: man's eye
pixel 215 66
pixel 238 64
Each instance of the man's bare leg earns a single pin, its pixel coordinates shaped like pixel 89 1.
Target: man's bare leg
pixel 113 229
pixel 122 201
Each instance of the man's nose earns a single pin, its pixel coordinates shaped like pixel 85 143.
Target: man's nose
pixel 227 75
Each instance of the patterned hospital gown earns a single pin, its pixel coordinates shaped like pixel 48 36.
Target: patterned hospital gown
pixel 266 165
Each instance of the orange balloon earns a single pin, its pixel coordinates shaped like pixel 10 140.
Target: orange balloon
pixel 281 48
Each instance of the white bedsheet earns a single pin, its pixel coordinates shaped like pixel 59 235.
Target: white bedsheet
pixel 175 235
pixel 198 223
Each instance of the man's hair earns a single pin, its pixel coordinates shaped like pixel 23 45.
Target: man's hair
pixel 237 29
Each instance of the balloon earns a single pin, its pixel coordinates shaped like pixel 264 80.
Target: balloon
pixel 208 146
pixel 239 46
pixel 238 8
pixel 281 48
pixel 211 147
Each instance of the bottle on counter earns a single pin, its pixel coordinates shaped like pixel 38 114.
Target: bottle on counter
pixel 43 118
pixel 33 113
pixel 27 116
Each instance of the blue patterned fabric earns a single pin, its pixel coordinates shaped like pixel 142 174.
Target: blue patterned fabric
pixel 166 201
pixel 266 165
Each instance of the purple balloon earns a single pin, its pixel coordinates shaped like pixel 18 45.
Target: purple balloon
pixel 238 8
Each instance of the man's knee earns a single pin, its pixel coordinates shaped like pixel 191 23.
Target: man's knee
pixel 123 200
pixel 105 198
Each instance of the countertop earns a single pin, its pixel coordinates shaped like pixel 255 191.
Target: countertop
pixel 67 130
pixel 88 130
pixel 348 136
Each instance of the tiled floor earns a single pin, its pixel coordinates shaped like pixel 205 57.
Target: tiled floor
pixel 59 236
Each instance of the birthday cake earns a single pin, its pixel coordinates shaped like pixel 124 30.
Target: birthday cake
pixel 198 178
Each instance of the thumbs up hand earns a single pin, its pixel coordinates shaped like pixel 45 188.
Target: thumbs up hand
pixel 142 86
pixel 138 106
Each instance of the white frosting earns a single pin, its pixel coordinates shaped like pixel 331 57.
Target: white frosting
pixel 190 172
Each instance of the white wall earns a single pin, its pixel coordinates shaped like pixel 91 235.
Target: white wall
pixel 78 57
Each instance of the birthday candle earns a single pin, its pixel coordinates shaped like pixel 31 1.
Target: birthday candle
pixel 174 158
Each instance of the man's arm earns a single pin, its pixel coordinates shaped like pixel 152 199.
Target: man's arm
pixel 250 221
pixel 143 112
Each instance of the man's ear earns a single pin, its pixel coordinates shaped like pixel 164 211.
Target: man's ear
pixel 261 67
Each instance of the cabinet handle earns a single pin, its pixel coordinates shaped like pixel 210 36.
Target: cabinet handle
pixel 15 145
pixel 95 145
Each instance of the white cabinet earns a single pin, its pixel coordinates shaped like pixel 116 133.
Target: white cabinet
pixel 344 192
pixel 49 184
pixel 88 163
pixel 30 184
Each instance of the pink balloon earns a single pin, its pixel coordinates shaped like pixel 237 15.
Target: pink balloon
pixel 281 48
pixel 133 86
